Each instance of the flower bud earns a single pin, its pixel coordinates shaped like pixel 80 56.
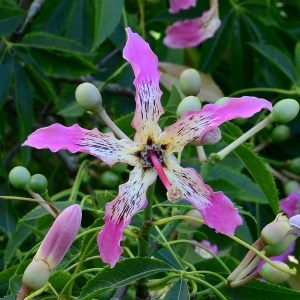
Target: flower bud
pixel 196 214
pixel 109 179
pixel 190 82
pixel 295 223
pixel 60 236
pixel 284 111
pixel 273 275
pixel 221 101
pixel 292 187
pixel 211 137
pixel 88 97
pixel 38 183
pixel 281 133
pixel 274 232
pixel 19 177
pixel 294 165
pixel 281 247
pixel 187 104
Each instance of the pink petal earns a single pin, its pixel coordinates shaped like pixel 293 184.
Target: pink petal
pixel 177 5
pixel 191 33
pixel 118 213
pixel 148 107
pixel 194 124
pixel 217 210
pixel 291 204
pixel 76 139
pixel 60 236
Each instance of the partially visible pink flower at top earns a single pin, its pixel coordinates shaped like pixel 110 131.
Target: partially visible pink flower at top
pixel 291 204
pixel 177 5
pixel 151 152
pixel 208 245
pixel 191 33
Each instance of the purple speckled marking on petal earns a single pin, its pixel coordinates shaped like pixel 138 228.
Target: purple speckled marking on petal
pixel 118 213
pixel 148 107
pixel 217 210
pixel 76 139
pixel 194 124
pixel 60 236
pixel 190 33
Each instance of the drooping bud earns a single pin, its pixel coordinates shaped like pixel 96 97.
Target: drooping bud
pixel 187 104
pixel 284 111
pixel 281 247
pixel 280 134
pixel 273 275
pixel 211 137
pixel 274 232
pixel 190 82
pixel 38 183
pixel 52 249
pixel 88 97
pixel 196 214
pixel 19 177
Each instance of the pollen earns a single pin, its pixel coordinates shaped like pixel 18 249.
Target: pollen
pixel 144 155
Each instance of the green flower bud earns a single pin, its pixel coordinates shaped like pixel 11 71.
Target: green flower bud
pixel 38 183
pixel 280 133
pixel 190 82
pixel 196 214
pixel 284 111
pixel 19 177
pixel 187 104
pixel 36 274
pixel 273 275
pixel 109 179
pixel 88 97
pixel 281 247
pixel 119 167
pixel 274 232
pixel 221 101
pixel 294 165
pixel 292 187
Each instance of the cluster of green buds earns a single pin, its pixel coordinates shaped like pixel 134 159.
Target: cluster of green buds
pixel 51 251
pixel 276 238
pixel 36 185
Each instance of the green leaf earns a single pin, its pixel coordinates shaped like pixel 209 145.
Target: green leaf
pixel 124 123
pixel 179 291
pixel 174 100
pixel 278 58
pixel 49 41
pixel 254 165
pixel 8 217
pixel 24 107
pixel 231 190
pixel 107 18
pixel 38 75
pixel 72 110
pixel 214 48
pixel 59 279
pixel 124 272
pixel 10 19
pixel 297 59
pixel 5 75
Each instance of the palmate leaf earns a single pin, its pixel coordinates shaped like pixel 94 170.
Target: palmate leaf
pixel 254 165
pixel 178 291
pixel 107 18
pixel 124 272
pixel 10 19
pixel 5 75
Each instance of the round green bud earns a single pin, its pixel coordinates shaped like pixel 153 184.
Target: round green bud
pixel 281 247
pixel 275 231
pixel 36 274
pixel 196 214
pixel 109 179
pixel 273 275
pixel 190 82
pixel 19 177
pixel 187 104
pixel 221 101
pixel 280 133
pixel 38 183
pixel 292 187
pixel 294 165
pixel 88 97
pixel 284 111
pixel 119 167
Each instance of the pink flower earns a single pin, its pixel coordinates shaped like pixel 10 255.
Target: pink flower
pixel 190 33
pixel 151 152
pixel 291 204
pixel 206 244
pixel 177 5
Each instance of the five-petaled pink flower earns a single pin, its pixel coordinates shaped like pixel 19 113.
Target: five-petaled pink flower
pixel 191 33
pixel 151 152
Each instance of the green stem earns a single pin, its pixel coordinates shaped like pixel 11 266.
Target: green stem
pixel 142 18
pixel 143 243
pixel 261 89
pixel 221 154
pixel 199 294
pixel 179 217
